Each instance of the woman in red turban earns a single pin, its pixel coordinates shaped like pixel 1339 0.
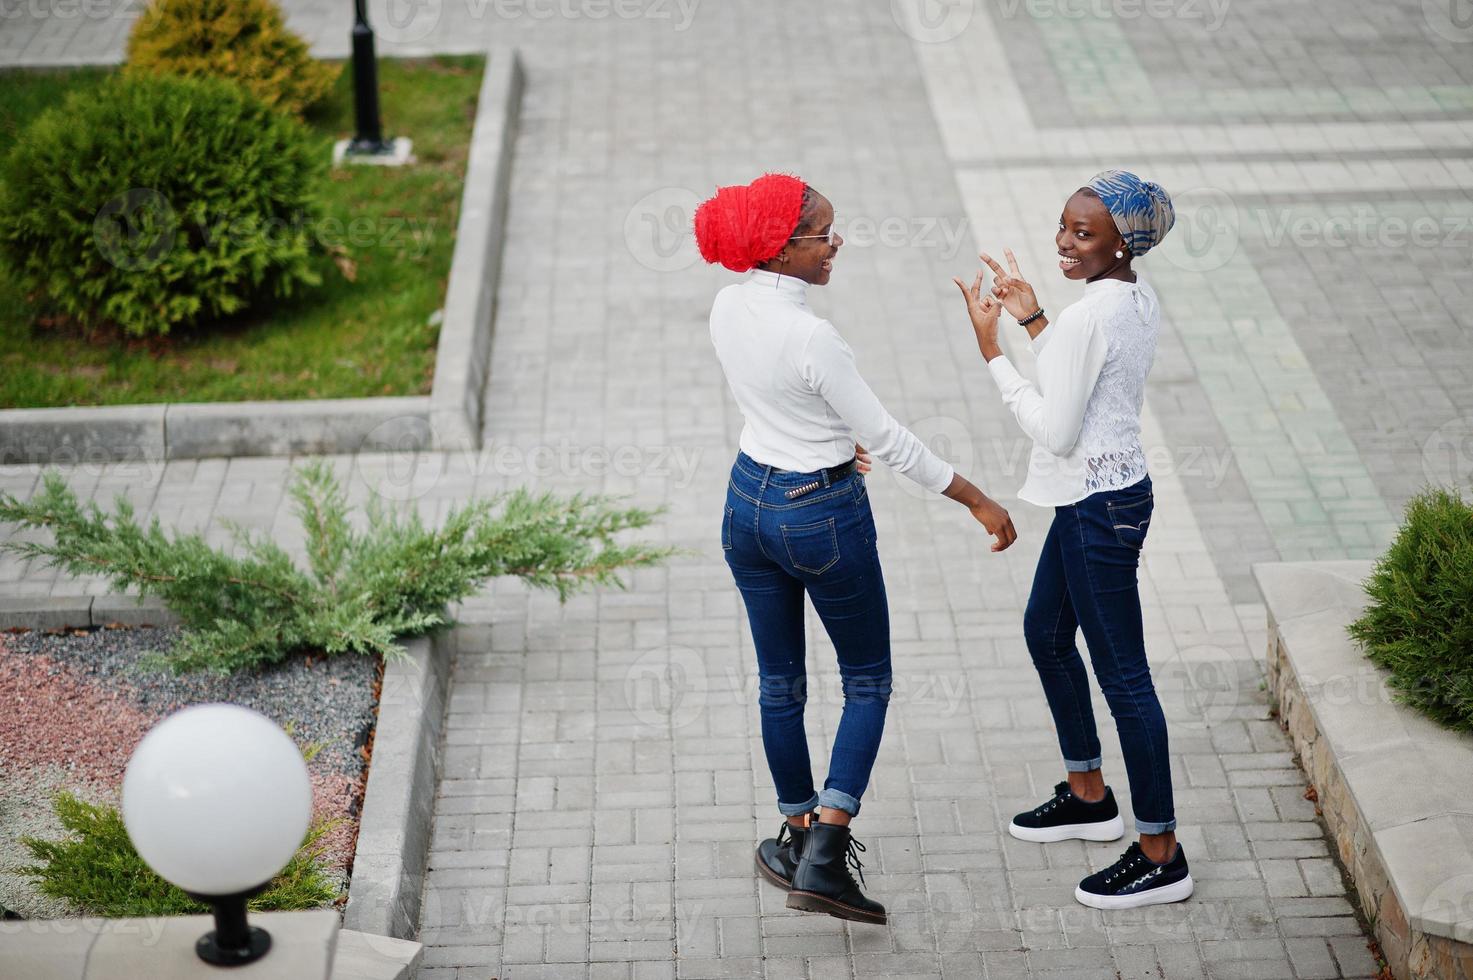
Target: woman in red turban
pixel 797 519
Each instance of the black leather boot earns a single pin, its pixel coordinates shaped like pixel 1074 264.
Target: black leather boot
pixel 823 883
pixel 777 857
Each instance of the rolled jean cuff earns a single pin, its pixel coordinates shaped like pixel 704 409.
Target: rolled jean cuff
pixel 839 800
pixel 794 809
pixel 1148 827
pixel 1071 766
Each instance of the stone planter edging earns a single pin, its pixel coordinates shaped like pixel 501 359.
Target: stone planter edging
pixel 448 418
pixel 1392 784
pixel 390 860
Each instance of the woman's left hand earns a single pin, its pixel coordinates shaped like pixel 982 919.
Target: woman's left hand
pixel 863 462
pixel 984 309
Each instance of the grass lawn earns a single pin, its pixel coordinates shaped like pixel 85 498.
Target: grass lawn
pixel 347 338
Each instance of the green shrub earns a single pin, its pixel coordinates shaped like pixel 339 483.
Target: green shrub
pixel 1419 624
pixel 246 41
pixel 364 589
pixel 99 871
pixel 153 202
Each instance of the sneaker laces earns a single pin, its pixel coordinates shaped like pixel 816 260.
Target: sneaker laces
pixel 1132 857
pixel 1060 792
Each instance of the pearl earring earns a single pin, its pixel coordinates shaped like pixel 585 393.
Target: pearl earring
pixel 1119 254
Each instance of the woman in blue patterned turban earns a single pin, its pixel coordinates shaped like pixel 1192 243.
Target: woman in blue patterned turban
pixel 1088 465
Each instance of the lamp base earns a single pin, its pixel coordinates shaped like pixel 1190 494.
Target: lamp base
pixel 396 152
pixel 258 942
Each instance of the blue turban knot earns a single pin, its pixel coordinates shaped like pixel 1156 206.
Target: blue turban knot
pixel 1141 209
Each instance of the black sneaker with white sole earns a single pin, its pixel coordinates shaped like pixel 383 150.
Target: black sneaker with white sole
pixel 1067 817
pixel 1136 880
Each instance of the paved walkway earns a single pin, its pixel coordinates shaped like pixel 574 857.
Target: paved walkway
pixel 603 780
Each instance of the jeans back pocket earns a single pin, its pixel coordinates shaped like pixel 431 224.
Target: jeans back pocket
pixel 726 529
pixel 812 548
pixel 1131 519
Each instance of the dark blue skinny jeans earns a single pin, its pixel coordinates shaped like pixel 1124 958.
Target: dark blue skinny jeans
pixel 1086 578
pixel 821 543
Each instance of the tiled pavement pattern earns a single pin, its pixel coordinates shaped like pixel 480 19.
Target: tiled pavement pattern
pixel 603 782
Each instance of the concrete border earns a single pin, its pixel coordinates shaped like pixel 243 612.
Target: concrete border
pixel 392 853
pixel 1392 783
pixel 82 611
pixel 448 418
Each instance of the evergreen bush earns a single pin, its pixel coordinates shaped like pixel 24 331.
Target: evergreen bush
pixel 363 589
pixel 154 202
pixel 1419 624
pixel 246 41
pixel 98 870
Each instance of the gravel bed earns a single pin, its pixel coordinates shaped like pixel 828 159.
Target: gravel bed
pixel 74 704
pixel 327 698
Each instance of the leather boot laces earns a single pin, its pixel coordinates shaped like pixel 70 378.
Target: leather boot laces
pixel 852 857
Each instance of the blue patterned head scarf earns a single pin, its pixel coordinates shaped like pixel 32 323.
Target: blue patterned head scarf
pixel 1141 209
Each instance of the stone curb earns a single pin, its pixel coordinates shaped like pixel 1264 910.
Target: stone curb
pixel 82 612
pixel 448 418
pixel 462 363
pixel 1391 783
pixel 392 852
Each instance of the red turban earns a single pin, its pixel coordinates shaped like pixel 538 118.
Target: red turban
pixel 747 224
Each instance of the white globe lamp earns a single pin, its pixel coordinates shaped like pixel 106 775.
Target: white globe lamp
pixel 216 799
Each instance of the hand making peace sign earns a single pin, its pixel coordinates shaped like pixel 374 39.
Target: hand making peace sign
pixel 1010 287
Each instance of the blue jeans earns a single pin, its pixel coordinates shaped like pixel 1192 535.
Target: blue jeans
pixel 822 543
pixel 1086 579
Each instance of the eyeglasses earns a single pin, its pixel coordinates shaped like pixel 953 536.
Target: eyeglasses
pixel 828 239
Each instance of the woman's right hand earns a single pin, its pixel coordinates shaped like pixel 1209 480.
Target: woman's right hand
pixel 1010 287
pixel 992 516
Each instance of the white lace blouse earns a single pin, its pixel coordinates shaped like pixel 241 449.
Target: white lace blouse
pixel 1084 414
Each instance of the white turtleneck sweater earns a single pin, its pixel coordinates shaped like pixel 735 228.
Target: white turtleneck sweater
pixel 799 391
pixel 1084 415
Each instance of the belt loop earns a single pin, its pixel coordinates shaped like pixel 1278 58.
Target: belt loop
pixel 766 475
pixel 824 475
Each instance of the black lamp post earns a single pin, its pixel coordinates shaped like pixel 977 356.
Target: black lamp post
pixel 369 139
